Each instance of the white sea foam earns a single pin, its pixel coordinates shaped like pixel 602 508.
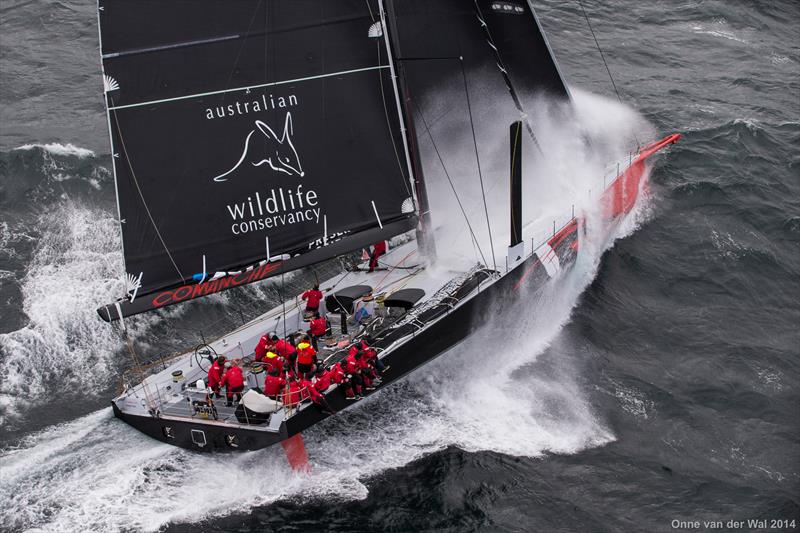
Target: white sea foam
pixel 75 268
pixel 59 149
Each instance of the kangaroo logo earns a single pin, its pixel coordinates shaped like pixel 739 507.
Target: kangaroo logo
pixel 277 152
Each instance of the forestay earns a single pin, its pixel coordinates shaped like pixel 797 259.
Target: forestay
pixel 246 127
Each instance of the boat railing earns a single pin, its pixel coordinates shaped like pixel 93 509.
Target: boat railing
pixel 184 402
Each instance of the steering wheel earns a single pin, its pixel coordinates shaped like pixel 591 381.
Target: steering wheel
pixel 204 352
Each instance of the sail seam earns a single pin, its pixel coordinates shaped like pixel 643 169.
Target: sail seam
pixel 270 84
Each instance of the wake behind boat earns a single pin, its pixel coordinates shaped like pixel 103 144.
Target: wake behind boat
pixel 315 154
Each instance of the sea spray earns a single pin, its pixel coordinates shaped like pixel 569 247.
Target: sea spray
pixel 63 346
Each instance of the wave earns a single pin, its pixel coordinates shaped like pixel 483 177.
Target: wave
pixel 59 149
pixel 63 345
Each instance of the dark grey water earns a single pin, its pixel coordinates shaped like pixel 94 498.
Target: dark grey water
pixel 667 389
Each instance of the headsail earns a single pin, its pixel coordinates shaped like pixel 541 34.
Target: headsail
pixel 252 128
pixel 436 41
pixel 431 34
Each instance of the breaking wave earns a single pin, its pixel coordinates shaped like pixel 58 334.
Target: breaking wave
pixel 59 149
pixel 63 346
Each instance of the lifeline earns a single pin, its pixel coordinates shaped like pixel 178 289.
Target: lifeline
pixel 266 103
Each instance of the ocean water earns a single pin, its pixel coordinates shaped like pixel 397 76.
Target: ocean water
pixel 657 382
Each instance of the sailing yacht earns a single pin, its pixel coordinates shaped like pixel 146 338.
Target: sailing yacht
pixel 254 138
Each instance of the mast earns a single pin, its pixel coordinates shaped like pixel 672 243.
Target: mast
pixel 425 237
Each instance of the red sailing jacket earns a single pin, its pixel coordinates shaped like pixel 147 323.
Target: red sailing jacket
pixel 379 248
pixel 313 297
pixel 319 326
pixel 214 375
pixel 323 381
pixel 364 347
pixel 351 365
pixel 274 362
pixel 233 378
pixel 273 385
pixel 306 355
pixel 292 396
pixel 262 347
pixel 283 348
pixel 309 391
pixel 337 373
pixel 363 362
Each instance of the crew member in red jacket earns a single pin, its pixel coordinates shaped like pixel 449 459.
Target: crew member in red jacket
pixel 283 348
pixel 273 360
pixel 312 297
pixel 306 358
pixel 365 369
pixel 372 355
pixel 233 381
pixel 339 376
pixel 215 374
pixel 353 374
pixel 265 344
pixel 378 249
pixel 318 328
pixel 292 396
pixel 309 392
pixel 323 381
pixel 274 384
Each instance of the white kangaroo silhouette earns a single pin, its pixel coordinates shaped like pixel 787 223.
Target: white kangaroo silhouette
pixel 281 154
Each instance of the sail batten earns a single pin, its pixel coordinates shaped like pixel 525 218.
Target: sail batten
pixel 249 87
pixel 275 121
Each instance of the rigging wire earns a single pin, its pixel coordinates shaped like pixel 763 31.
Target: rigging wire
pixel 447 174
pixel 603 57
pixel 478 159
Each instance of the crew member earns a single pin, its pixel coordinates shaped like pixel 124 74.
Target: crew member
pixel 292 395
pixel 372 355
pixel 323 379
pixel 265 344
pixel 318 328
pixel 312 297
pixel 365 369
pixel 274 384
pixel 353 380
pixel 309 392
pixel 306 357
pixel 215 374
pixel 233 381
pixel 283 348
pixel 273 360
pixel 378 249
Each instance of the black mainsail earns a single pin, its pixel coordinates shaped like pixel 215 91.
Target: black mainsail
pixel 257 127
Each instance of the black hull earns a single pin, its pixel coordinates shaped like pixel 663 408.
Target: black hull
pixel 524 280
